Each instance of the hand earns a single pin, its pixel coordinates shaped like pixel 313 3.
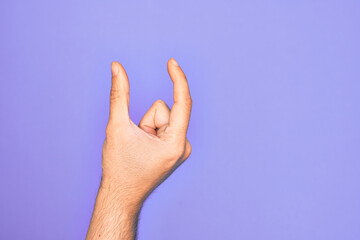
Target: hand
pixel 136 159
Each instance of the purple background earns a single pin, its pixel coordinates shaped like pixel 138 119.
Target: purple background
pixel 274 128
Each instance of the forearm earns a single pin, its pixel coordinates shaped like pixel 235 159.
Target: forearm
pixel 115 216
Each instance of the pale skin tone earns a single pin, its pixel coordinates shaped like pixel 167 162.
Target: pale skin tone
pixel 136 159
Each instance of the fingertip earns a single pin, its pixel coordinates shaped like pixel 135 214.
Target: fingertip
pixel 115 68
pixel 174 70
pixel 118 73
pixel 172 65
pixel 173 62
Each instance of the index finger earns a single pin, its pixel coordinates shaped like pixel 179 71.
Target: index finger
pixel 181 110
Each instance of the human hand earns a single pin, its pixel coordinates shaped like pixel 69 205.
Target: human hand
pixel 136 159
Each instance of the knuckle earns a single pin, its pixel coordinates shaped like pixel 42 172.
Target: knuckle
pixel 117 93
pixel 189 149
pixel 187 152
pixel 159 102
pixel 111 131
pixel 177 151
pixel 108 131
pixel 114 94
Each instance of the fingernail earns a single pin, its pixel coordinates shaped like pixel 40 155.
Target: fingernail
pixel 114 68
pixel 174 62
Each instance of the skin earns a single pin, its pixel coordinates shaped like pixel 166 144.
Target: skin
pixel 136 159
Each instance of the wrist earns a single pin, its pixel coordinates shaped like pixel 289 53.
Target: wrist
pixel 125 199
pixel 115 213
